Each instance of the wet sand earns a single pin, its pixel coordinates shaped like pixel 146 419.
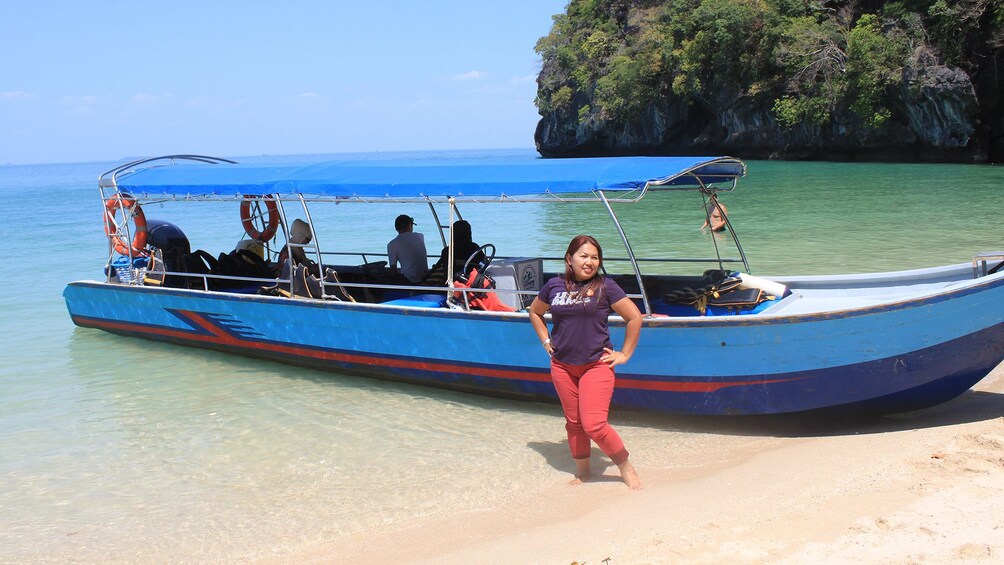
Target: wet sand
pixel 920 487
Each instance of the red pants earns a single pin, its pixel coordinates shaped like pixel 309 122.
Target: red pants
pixel 585 392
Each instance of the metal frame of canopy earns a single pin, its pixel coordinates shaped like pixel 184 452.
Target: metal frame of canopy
pixel 471 180
pixel 700 175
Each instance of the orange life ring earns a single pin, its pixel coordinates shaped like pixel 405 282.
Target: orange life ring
pixel 273 219
pixel 130 207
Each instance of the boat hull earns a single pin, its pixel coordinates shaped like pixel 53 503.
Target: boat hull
pixel 894 357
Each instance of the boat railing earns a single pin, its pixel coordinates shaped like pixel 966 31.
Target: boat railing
pixel 206 278
pixel 983 263
pixel 242 284
pixel 459 297
pixel 665 259
pixel 286 283
pixel 367 257
pixel 206 285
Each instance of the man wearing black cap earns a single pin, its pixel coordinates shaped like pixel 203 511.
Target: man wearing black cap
pixel 408 248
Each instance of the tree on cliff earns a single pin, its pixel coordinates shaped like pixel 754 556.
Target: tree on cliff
pixel 913 79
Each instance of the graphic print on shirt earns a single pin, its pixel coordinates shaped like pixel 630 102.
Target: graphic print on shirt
pixel 566 298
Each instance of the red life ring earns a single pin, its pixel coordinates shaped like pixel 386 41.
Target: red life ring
pixel 273 219
pixel 130 207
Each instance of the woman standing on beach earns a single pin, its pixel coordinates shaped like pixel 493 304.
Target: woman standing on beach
pixel 582 356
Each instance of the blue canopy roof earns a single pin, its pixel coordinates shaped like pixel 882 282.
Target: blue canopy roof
pixel 471 178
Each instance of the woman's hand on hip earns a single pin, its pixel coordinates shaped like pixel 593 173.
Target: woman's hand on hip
pixel 612 358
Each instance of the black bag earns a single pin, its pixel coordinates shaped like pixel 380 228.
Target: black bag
pixel 197 262
pixel 244 263
pixel 238 263
pixel 714 284
pixel 741 299
pixel 155 271
pixel 721 282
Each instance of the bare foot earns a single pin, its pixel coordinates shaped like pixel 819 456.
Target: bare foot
pixel 630 476
pixel 582 471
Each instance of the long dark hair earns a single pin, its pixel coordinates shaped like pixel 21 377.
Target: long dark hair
pixel 592 286
pixel 462 233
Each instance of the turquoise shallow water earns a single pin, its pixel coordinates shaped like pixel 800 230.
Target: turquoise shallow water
pixel 121 450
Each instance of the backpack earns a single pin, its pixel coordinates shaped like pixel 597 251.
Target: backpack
pixel 715 283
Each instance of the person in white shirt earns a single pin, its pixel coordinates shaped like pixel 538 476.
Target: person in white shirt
pixel 408 249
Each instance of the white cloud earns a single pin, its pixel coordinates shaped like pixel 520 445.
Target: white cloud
pixel 470 75
pixel 150 97
pixel 81 105
pixel 69 99
pixel 13 95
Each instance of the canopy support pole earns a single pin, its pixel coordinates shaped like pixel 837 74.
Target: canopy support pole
pixel 313 236
pixel 284 222
pixel 439 223
pixel 627 245
pixel 449 251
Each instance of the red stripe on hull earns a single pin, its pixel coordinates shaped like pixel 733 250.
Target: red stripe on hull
pixel 212 334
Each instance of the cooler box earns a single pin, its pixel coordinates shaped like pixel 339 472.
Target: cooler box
pixel 514 274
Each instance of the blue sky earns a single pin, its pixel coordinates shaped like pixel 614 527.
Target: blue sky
pixel 103 80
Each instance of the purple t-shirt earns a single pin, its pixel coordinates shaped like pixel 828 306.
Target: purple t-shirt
pixel 580 322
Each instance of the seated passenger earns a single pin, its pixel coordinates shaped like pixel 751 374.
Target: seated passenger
pixel 299 234
pixel 408 248
pixel 464 248
pixel 252 246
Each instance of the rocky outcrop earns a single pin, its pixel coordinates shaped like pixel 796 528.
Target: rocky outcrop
pixel 937 112
pixel 939 104
pixel 935 118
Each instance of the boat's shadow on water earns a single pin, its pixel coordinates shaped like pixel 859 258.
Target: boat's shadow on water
pixel 972 406
pixel 975 405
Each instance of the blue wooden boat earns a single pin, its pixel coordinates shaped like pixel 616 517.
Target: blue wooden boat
pixel 886 342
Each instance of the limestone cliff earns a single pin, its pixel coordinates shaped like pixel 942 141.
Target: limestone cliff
pixel 781 79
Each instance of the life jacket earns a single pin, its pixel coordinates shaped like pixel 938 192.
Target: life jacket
pixel 488 301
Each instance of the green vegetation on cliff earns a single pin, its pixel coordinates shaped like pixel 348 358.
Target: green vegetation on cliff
pixel 806 62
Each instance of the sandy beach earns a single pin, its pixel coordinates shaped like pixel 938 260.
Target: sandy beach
pixel 920 487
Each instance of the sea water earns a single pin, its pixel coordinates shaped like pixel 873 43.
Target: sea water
pixel 114 449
